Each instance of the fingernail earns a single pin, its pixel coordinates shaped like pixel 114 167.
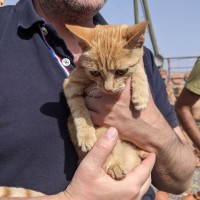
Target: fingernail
pixel 111 133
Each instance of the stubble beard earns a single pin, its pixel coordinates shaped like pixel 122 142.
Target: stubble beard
pixel 72 11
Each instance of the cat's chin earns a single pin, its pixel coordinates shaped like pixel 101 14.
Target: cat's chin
pixel 113 92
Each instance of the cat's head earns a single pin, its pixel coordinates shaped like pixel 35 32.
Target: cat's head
pixel 110 53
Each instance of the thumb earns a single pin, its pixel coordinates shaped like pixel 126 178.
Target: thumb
pixel 102 148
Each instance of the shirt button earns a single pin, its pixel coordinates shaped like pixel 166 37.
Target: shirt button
pixel 44 31
pixel 66 62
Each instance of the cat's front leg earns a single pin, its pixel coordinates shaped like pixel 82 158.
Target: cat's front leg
pixel 85 131
pixel 86 135
pixel 122 160
pixel 140 88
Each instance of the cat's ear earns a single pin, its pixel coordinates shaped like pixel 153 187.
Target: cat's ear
pixel 135 35
pixel 84 35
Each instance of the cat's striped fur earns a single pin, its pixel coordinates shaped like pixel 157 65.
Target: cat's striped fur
pixel 19 192
pixel 111 54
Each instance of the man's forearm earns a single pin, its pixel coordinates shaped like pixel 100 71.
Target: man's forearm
pixel 175 161
pixel 174 166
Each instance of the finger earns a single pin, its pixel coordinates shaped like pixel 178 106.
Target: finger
pixel 139 179
pixel 102 148
pixel 91 103
pixel 93 91
pixel 143 170
pixel 144 188
pixel 97 118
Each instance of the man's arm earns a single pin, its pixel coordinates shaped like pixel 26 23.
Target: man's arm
pixel 175 161
pixel 183 108
pixel 172 171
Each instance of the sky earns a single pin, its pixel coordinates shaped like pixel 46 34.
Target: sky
pixel 176 25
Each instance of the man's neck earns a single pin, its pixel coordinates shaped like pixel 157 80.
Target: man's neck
pixel 63 32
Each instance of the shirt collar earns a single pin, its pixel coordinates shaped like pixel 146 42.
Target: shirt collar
pixel 27 16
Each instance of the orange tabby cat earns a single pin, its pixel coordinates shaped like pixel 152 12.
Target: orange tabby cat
pixel 111 54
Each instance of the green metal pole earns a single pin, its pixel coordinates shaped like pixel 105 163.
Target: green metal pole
pixel 136 11
pixel 152 35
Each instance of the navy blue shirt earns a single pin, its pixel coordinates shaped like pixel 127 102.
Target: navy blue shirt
pixel 35 149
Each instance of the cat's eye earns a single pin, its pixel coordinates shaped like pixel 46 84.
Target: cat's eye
pixel 121 72
pixel 95 73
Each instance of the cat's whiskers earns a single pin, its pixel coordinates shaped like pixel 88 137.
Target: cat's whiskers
pixel 95 92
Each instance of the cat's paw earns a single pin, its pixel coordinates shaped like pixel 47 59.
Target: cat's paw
pixel 116 172
pixel 140 103
pixel 142 154
pixel 139 106
pixel 86 139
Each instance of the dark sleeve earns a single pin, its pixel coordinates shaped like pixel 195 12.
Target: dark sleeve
pixel 5 12
pixel 158 89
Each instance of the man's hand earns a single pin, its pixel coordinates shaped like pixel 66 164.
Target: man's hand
pixel 109 109
pixel 149 131
pixel 118 111
pixel 90 182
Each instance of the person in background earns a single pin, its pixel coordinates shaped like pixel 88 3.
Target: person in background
pixel 169 86
pixel 196 107
pixel 187 105
pixel 37 54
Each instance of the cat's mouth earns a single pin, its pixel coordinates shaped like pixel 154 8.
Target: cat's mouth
pixel 113 91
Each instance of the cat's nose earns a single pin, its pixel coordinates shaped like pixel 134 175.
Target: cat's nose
pixel 108 87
